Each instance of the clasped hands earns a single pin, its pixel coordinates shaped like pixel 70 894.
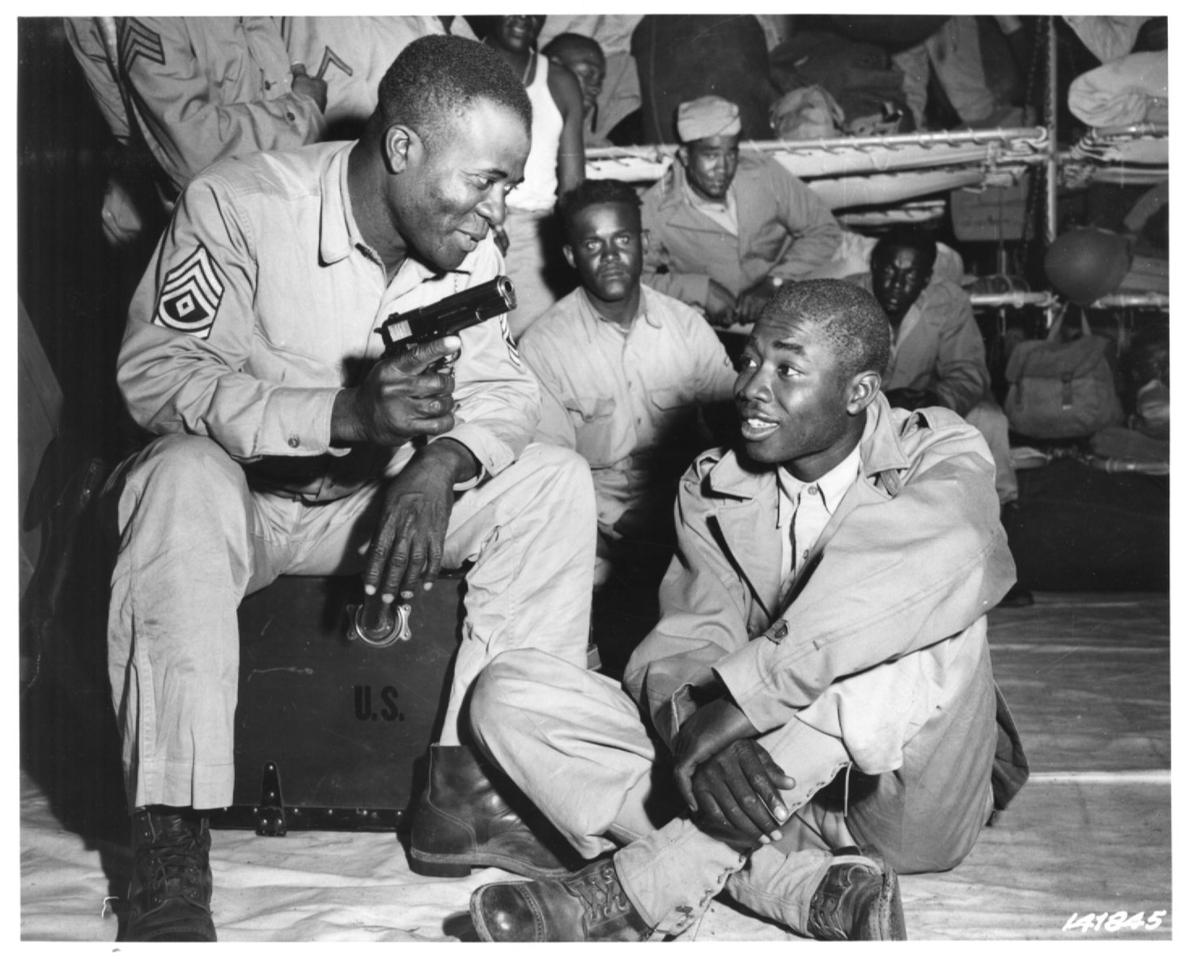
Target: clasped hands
pixel 406 396
pixel 728 780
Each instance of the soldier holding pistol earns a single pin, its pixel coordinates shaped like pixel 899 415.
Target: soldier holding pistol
pixel 243 353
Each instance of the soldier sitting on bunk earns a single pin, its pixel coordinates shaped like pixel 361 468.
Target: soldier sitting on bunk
pixel 938 355
pixel 723 231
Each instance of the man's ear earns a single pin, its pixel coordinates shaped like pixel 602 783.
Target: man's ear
pixel 568 251
pixel 683 153
pixel 398 144
pixel 862 389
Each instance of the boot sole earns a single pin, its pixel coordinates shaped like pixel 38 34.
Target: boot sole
pixel 477 919
pixel 459 866
pixel 894 925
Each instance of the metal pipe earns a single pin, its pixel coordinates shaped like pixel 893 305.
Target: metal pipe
pixel 1036 134
pixel 1050 117
pixel 1045 298
pixel 1129 300
pixel 1012 299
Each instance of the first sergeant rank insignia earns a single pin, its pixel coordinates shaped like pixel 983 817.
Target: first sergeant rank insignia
pixel 190 295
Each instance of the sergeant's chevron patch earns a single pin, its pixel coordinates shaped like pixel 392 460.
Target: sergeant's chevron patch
pixel 137 40
pixel 190 295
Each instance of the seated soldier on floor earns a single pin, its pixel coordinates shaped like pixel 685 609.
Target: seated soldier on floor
pixel 623 370
pixel 819 680
pixel 722 231
pixel 938 356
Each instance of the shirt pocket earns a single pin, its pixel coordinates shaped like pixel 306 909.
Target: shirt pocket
pixel 594 424
pixel 671 408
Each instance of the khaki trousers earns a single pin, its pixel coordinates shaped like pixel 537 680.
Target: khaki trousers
pixel 194 539
pixel 577 745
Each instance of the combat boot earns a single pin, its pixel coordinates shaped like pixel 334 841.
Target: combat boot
pixel 461 822
pixel 589 906
pixel 171 891
pixel 857 900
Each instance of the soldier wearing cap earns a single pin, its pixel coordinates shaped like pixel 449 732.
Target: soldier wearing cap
pixel 725 230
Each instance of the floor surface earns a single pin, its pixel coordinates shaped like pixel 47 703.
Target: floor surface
pixel 1087 677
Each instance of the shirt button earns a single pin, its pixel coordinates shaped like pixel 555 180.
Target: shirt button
pixel 806 555
pixel 290 116
pixel 293 441
pixel 812 490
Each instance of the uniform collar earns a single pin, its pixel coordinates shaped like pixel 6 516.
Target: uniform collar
pixel 913 317
pixel 339 234
pixel 591 320
pixel 832 486
pixel 338 231
pixel 675 186
pixel 704 205
pixel 880 452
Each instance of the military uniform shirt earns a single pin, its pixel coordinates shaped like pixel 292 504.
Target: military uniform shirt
pixel 262 302
pixel 616 396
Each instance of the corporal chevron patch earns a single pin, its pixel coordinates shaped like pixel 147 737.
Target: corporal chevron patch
pixel 330 57
pixel 510 341
pixel 137 40
pixel 190 295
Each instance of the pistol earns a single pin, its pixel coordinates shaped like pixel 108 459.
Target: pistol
pixel 447 316
pixel 373 623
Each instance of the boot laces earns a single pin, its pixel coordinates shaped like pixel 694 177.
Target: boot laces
pixel 600 893
pixel 175 869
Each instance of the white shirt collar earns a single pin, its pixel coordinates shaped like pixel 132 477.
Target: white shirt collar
pixel 831 487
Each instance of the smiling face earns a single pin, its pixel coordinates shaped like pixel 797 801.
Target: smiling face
pixel 797 406
pixel 517 32
pixel 603 245
pixel 710 164
pixel 443 196
pixel 900 274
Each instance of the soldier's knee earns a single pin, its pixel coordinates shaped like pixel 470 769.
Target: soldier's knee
pixel 187 461
pixel 494 697
pixel 182 483
pixel 568 466
pixel 568 485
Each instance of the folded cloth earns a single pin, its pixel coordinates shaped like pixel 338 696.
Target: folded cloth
pixel 1127 91
pixel 1121 444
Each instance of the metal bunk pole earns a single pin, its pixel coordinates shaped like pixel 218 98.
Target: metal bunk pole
pixel 1052 123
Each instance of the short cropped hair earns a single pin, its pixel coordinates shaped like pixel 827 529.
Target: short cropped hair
pixel 848 315
pixel 436 79
pixel 907 237
pixel 596 191
pixel 567 41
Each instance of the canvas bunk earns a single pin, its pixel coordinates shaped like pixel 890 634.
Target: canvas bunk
pixel 896 172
